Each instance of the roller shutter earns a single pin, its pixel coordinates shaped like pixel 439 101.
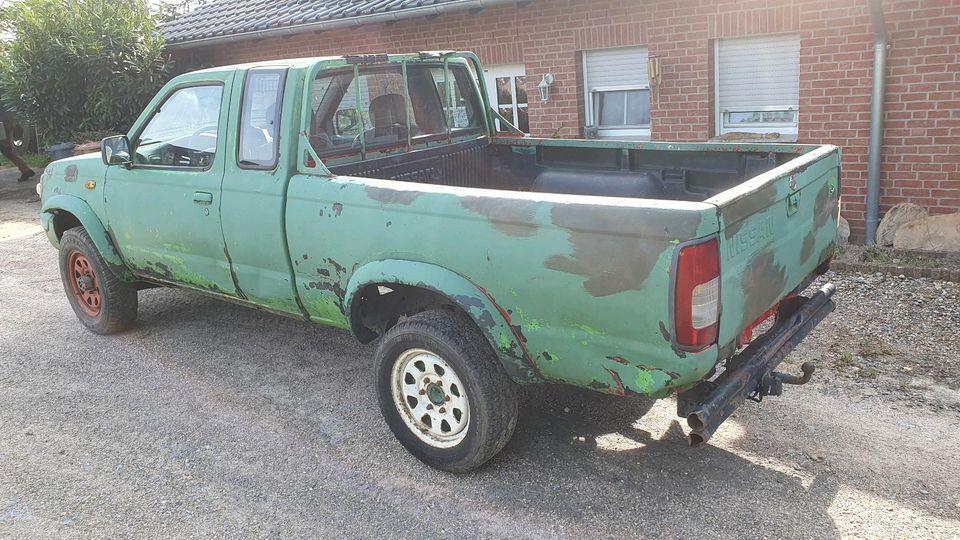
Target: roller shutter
pixel 759 71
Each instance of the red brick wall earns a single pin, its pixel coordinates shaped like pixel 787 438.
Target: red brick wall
pixel 922 143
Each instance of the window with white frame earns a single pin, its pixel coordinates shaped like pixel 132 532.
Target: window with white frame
pixel 617 92
pixel 506 87
pixel 758 84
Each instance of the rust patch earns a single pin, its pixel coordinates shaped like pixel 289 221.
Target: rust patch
pixel 519 338
pixel 808 242
pixel 606 248
pixel 824 207
pixel 337 209
pixel 619 360
pixel 70 174
pixel 391 196
pixel 736 214
pixel 511 217
pixel 665 333
pixel 619 390
pixel 758 299
pixel 233 274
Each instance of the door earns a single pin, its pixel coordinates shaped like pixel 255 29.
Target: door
pixel 164 210
pixel 254 189
pixel 506 86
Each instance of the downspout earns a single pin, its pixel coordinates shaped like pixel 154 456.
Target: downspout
pixel 880 46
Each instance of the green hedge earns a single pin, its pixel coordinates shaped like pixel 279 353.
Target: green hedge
pixel 80 65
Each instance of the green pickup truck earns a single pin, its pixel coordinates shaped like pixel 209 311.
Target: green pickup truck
pixel 374 193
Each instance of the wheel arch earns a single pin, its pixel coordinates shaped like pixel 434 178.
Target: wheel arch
pixel 434 286
pixel 63 212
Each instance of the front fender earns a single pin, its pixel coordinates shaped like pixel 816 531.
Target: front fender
pixel 492 320
pixel 90 221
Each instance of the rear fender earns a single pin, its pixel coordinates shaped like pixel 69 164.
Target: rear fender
pixel 492 320
pixel 94 227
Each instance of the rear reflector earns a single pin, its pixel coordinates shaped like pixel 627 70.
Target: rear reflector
pixel 697 295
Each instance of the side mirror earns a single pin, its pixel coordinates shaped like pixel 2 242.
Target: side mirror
pixel 347 120
pixel 115 150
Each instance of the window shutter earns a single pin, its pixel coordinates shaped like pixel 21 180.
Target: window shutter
pixel 759 72
pixel 616 67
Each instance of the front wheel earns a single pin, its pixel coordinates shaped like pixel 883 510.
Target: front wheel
pixel 443 392
pixel 104 303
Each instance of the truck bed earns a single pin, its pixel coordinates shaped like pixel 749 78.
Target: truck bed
pixel 602 221
pixel 603 170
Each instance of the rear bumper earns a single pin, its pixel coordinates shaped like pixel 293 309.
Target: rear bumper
pixel 750 374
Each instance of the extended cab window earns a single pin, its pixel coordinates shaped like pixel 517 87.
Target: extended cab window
pixel 183 131
pixel 380 109
pixel 259 119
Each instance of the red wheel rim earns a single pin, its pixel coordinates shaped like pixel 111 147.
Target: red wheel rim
pixel 84 284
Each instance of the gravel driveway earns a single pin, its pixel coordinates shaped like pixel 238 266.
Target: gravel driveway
pixel 210 419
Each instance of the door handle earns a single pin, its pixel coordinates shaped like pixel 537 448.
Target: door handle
pixel 202 197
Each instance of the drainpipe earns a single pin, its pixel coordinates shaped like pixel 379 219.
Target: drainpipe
pixel 880 46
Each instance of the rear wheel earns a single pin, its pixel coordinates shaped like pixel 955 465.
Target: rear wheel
pixel 443 392
pixel 103 302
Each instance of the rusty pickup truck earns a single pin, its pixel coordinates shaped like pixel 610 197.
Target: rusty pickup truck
pixel 375 193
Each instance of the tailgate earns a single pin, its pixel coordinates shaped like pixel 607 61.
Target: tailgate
pixel 775 230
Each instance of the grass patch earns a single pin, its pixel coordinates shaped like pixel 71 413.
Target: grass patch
pixel 886 257
pixel 845 361
pixel 874 349
pixel 35 161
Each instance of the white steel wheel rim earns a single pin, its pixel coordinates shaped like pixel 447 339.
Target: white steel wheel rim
pixel 430 398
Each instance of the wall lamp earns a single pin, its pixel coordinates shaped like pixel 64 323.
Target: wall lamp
pixel 544 87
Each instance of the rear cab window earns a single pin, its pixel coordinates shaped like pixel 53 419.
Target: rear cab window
pixel 259 142
pixel 355 110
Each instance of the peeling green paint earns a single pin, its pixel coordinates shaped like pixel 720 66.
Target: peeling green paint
pixel 589 330
pixel 644 381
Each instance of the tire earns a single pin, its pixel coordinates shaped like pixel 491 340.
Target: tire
pixel 102 301
pixel 470 379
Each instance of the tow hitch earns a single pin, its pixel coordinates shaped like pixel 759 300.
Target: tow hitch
pixel 750 374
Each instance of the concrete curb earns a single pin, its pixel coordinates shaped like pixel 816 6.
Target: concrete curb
pixel 943 274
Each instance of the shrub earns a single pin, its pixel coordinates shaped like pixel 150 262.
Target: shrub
pixel 80 65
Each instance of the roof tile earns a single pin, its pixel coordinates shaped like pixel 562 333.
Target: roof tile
pixel 230 17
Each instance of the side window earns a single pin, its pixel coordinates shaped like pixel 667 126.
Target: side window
pixel 183 131
pixel 458 97
pixel 260 119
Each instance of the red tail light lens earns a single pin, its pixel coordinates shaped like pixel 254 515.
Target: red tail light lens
pixel 696 300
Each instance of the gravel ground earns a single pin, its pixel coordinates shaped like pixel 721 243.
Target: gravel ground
pixel 210 419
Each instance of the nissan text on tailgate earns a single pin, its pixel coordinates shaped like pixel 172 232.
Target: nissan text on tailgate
pixel 382 195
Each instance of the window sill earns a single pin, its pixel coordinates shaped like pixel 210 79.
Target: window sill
pixel 742 136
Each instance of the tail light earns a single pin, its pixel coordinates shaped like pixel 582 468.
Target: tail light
pixel 696 300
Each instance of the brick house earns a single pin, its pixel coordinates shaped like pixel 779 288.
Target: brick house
pixel 790 69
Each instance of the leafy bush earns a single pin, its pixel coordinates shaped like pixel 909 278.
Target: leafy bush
pixel 80 65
